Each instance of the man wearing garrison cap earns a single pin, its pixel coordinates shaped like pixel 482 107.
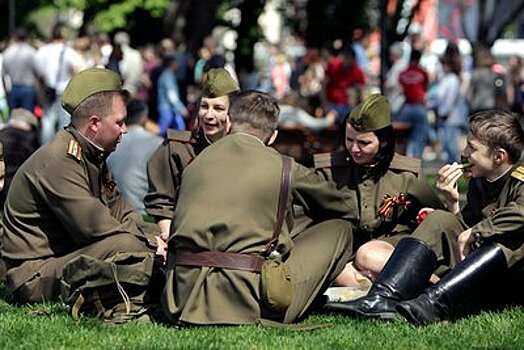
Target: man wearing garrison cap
pixel 63 202
pixel 165 166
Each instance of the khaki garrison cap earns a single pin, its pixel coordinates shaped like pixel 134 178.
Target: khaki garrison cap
pixel 219 83
pixel 21 114
pixel 372 114
pixel 87 83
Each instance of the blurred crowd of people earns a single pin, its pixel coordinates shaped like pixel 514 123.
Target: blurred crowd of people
pixel 316 88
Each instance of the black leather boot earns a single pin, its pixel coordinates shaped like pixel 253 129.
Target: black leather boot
pixel 482 268
pixel 404 276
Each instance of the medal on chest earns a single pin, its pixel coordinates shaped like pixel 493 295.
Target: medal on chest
pixel 390 206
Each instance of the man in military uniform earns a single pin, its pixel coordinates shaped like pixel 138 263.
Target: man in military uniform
pixel 63 201
pixel 227 210
pixel 388 189
pixel 488 231
pixel 166 164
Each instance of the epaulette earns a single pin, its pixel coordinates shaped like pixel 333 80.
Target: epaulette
pixel 179 136
pixel 74 149
pixel 330 160
pixel 403 163
pixel 518 173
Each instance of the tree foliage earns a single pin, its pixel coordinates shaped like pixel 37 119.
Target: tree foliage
pixel 331 20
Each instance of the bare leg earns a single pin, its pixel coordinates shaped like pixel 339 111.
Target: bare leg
pixel 352 276
pixel 369 261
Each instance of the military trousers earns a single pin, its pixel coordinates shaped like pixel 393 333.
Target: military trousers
pixel 319 255
pixel 43 283
pixel 440 230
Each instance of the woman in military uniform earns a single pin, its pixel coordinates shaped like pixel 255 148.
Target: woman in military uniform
pixel 164 168
pixel 388 189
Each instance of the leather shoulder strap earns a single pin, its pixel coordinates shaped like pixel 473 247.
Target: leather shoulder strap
pixel 282 202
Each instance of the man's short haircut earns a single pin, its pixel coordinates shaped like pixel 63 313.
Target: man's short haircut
pixel 415 56
pixel 498 129
pixel 255 113
pixel 58 31
pixel 136 111
pixel 100 104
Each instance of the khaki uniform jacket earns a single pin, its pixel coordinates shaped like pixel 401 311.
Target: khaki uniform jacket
pixel 403 176
pixel 228 202
pixel 164 170
pixel 495 211
pixel 62 199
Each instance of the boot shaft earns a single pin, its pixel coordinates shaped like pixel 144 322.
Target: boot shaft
pixel 462 286
pixel 483 268
pixel 407 272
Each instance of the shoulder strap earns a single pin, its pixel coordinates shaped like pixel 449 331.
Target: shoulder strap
pixel 60 64
pixel 518 173
pixel 403 163
pixel 282 202
pixel 330 160
pixel 179 135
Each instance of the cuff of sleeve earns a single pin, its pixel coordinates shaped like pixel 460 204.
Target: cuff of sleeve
pixel 482 230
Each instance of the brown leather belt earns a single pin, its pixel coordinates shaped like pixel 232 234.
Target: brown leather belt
pixel 224 260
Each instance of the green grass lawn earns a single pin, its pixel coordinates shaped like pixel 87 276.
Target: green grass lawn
pixel 49 326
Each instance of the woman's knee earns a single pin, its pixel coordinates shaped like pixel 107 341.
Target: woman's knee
pixel 373 255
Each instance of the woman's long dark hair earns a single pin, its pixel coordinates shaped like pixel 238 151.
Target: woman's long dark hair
pixel 386 153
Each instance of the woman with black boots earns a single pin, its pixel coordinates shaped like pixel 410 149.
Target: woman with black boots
pixel 489 231
pixel 387 189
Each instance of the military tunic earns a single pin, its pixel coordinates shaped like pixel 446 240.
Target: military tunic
pixel 63 199
pixel 231 205
pixel 164 170
pixel 404 176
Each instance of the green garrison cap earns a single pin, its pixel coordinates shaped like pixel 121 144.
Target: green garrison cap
pixel 372 114
pixel 219 83
pixel 87 83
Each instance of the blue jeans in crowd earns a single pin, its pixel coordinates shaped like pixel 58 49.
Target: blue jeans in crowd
pixel 342 111
pixel 167 119
pixel 55 118
pixel 416 115
pixel 449 138
pixel 22 96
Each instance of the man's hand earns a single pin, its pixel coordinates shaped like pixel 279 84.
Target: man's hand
pixel 165 225
pixel 465 240
pixel 447 179
pixel 162 248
